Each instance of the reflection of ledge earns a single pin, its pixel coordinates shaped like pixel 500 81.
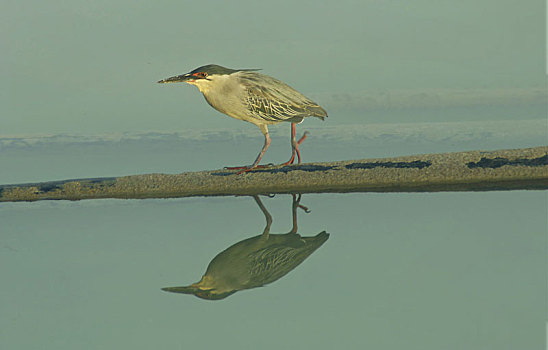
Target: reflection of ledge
pixel 462 171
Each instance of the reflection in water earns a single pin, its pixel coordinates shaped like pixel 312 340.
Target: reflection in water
pixel 255 261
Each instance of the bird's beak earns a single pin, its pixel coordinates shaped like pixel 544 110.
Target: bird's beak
pixel 178 79
pixel 184 290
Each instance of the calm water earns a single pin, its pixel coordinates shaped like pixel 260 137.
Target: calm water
pixel 414 271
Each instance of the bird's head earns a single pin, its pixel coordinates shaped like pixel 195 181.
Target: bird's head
pixel 205 289
pixel 203 77
pixel 210 294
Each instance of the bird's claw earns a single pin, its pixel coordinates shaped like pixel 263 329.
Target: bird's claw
pixel 306 210
pixel 245 169
pixel 297 203
pixel 305 134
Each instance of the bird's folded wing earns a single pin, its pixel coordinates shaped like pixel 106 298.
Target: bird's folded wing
pixel 273 100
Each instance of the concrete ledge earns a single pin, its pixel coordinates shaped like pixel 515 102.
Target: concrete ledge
pixel 461 171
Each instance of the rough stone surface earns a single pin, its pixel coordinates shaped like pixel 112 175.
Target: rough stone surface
pixel 462 171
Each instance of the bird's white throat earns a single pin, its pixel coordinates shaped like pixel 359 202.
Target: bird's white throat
pixel 205 85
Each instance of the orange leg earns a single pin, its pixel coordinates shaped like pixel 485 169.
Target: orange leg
pixel 295 146
pixel 255 165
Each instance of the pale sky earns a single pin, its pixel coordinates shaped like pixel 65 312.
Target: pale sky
pixel 91 66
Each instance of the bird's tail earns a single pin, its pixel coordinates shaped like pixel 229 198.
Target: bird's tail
pixel 317 240
pixel 317 111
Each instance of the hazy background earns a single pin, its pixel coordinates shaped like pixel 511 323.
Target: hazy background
pixel 91 66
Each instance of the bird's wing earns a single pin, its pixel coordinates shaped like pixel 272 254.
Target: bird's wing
pixel 271 263
pixel 270 99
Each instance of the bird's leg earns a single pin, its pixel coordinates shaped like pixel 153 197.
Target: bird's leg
pixel 259 157
pixel 298 143
pixel 297 202
pixel 294 212
pixel 267 215
pixel 255 164
pixel 295 146
pixel 296 205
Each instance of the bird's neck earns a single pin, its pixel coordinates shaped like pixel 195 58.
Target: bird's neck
pixel 203 85
pixel 222 93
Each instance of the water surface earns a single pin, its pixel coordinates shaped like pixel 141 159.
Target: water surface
pixel 420 271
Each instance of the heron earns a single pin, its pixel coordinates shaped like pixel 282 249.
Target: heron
pixel 255 261
pixel 253 97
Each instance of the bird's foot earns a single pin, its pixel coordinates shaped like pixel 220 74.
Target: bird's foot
pixel 297 203
pixel 249 168
pixel 295 145
pixel 290 161
pixel 306 210
pixel 246 168
pixel 305 134
pixel 236 167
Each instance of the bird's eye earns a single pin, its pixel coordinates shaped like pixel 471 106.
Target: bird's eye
pixel 200 74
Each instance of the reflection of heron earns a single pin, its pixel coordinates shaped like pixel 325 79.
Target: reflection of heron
pixel 255 261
